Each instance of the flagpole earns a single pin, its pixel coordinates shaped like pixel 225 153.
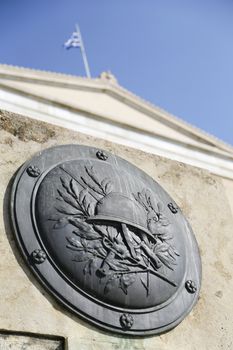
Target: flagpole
pixel 83 52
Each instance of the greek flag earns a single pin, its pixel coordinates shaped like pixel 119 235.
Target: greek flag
pixel 74 41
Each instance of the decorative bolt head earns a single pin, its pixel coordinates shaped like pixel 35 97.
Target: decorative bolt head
pixel 173 208
pixel 191 286
pixel 126 321
pixel 101 155
pixel 33 171
pixel 38 256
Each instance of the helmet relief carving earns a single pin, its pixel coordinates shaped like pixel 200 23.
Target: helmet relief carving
pixel 116 237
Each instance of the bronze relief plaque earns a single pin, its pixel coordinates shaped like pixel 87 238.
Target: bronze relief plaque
pixel 106 240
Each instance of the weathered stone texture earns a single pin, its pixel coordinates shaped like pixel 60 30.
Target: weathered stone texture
pixel 20 342
pixel 25 130
pixel 26 307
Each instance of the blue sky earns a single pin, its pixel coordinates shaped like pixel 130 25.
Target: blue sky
pixel 177 54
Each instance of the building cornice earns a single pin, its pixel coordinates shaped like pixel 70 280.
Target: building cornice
pixel 113 89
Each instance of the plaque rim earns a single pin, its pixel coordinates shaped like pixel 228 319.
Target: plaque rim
pixel 39 273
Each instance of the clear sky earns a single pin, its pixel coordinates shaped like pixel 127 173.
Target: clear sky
pixel 177 54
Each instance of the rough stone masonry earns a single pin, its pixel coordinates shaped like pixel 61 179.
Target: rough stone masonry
pixel 26 310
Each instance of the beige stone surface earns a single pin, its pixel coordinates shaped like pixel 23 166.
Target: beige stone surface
pixel 21 342
pixel 26 307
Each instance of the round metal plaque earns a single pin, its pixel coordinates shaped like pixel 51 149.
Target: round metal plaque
pixel 106 240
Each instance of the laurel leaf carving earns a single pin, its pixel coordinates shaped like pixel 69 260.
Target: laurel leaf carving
pixel 126 281
pixel 111 283
pixel 82 194
pixel 74 187
pixel 61 223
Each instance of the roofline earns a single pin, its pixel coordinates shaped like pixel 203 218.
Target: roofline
pixel 103 85
pixel 100 117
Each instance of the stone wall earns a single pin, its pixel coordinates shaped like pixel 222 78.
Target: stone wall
pixel 25 307
pixel 11 341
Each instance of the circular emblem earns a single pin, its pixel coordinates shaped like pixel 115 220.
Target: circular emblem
pixel 106 240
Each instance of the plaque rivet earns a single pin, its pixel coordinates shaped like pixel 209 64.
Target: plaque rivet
pixel 101 155
pixel 173 208
pixel 38 256
pixel 126 321
pixel 191 286
pixel 33 171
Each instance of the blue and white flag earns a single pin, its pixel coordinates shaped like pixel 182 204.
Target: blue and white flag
pixel 74 41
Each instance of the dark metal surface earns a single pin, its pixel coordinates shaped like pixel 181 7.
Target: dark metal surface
pixel 106 240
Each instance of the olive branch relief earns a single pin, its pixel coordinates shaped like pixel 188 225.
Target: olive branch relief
pixel 115 252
